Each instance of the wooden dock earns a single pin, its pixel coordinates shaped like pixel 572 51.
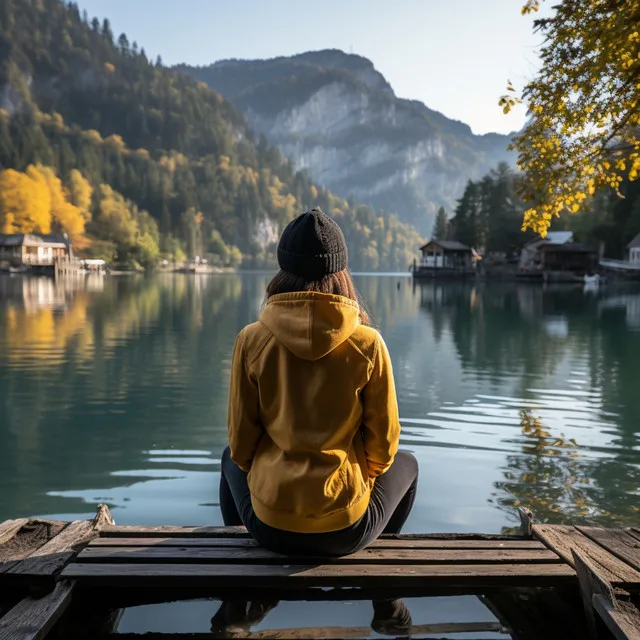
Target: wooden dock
pixel 70 580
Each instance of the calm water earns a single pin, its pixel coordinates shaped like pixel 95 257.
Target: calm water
pixel 115 391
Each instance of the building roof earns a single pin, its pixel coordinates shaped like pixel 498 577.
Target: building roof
pixel 33 240
pixel 559 237
pixel 447 245
pixel 570 247
pixel 634 243
pixel 553 238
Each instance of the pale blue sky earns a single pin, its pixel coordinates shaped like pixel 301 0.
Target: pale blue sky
pixel 453 55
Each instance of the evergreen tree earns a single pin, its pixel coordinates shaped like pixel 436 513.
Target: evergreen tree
pixel 441 225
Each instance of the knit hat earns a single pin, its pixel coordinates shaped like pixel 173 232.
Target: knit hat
pixel 312 246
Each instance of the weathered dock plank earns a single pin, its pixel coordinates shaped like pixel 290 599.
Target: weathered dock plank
pixel 33 618
pixel 352 575
pixel 9 528
pixel 564 540
pixel 172 532
pixel 52 556
pixel 620 617
pixel 250 555
pixel 617 542
pixel 168 531
pixel 392 543
pixel 47 560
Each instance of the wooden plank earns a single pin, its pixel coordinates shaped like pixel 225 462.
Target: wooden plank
pixel 590 582
pixel 212 532
pixel 616 541
pixel 31 536
pixel 9 528
pixel 368 575
pixel 51 557
pixel 327 633
pixel 378 544
pixel 564 540
pixel 32 619
pixel 132 531
pixel 622 618
pixel 633 532
pixel 252 555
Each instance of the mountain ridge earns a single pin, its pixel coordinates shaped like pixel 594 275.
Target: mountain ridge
pixel 335 115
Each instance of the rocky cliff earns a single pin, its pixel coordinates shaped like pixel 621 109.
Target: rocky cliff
pixel 335 115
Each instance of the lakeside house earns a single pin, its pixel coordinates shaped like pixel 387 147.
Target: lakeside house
pixel 557 252
pixel 446 254
pixel 34 249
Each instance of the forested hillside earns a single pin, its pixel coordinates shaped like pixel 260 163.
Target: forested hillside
pixel 74 96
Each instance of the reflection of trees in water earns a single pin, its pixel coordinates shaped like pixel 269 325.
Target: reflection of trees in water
pixel 110 375
pixel 516 332
pixel 497 330
pixel 552 478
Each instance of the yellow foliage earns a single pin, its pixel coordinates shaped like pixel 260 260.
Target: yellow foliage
pixel 80 190
pixel 584 131
pixel 36 201
pixel 116 141
pixel 109 68
pixel 25 202
pixel 92 136
pixel 64 215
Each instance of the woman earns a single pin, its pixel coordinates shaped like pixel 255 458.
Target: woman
pixel 313 465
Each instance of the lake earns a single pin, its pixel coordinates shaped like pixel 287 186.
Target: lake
pixel 114 390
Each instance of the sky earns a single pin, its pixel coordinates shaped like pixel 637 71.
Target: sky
pixel 454 55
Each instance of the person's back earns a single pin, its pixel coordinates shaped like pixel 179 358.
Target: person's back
pixel 312 466
pixel 330 420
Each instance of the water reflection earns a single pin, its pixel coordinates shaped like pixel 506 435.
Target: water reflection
pixel 114 390
pixel 567 360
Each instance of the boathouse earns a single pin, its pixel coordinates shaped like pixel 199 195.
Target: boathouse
pixel 446 254
pixel 557 252
pixel 33 249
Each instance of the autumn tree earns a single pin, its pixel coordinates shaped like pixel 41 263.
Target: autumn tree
pixel 80 191
pixel 584 128
pixel 25 203
pixel 65 217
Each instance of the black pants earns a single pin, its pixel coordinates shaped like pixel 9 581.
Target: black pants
pixel 391 501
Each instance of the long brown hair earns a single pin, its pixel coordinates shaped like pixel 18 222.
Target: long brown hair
pixel 338 284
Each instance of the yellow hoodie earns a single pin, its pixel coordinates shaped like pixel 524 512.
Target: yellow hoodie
pixel 313 415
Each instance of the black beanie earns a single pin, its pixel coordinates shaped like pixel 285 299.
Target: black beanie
pixel 312 246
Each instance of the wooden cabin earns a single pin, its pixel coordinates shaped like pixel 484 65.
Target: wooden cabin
pixel 573 256
pixel 442 258
pixel 557 253
pixel 446 254
pixel 33 249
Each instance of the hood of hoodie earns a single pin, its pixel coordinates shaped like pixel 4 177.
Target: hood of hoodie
pixel 310 324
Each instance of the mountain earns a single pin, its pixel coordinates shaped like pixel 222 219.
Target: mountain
pixel 168 165
pixel 335 115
